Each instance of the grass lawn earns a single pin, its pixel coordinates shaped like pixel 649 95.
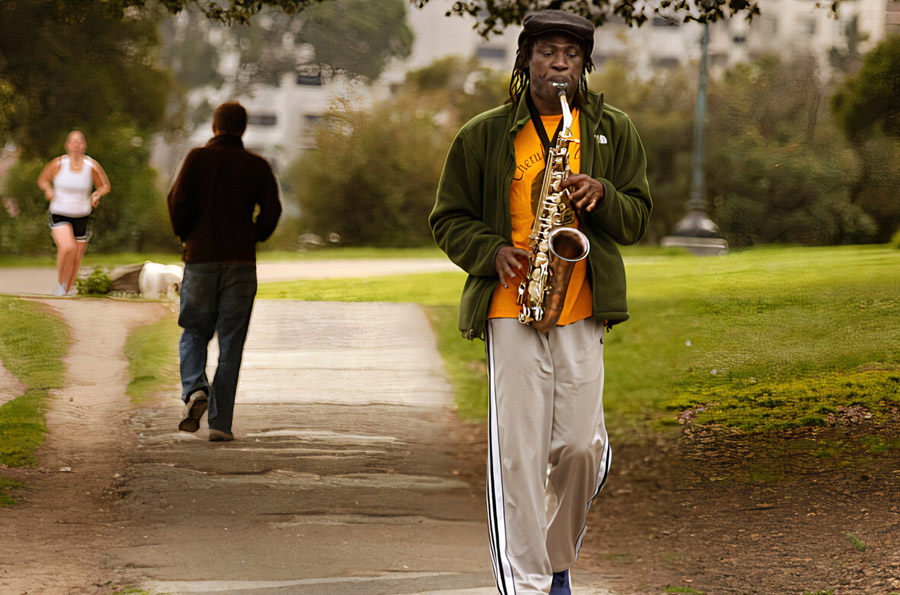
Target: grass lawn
pixel 32 343
pixel 765 339
pixel 92 259
pixel 152 352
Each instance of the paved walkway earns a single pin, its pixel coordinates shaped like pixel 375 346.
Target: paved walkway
pixel 341 474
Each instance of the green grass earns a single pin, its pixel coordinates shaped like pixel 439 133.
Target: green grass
pixel 325 253
pixel 92 259
pixel 463 361
pixel 858 543
pixel 152 352
pixel 430 289
pixel 32 344
pixel 349 252
pixel 763 340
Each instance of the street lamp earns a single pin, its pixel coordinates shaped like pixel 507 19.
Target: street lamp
pixel 696 231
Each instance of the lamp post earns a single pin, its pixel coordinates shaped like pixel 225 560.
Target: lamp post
pixel 696 231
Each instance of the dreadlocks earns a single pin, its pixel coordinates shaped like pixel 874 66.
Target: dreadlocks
pixel 520 75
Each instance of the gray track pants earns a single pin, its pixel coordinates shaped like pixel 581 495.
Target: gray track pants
pixel 548 453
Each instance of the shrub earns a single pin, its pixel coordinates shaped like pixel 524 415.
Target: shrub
pixel 97 283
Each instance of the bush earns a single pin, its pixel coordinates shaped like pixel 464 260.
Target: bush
pixel 97 283
pixel 389 158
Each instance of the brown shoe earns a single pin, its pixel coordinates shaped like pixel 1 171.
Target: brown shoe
pixel 220 436
pixel 193 411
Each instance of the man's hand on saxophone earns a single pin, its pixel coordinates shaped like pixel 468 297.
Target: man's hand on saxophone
pixel 510 263
pixel 585 192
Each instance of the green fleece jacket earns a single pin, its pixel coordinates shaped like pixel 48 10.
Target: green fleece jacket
pixel 471 219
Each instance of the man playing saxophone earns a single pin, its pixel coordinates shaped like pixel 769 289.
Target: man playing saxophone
pixel 549 454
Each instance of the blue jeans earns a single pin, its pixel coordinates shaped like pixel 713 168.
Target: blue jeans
pixel 216 298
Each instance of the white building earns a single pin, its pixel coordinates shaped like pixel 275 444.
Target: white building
pixel 784 26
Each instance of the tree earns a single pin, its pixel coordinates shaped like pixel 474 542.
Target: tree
pixel 870 101
pixel 867 107
pixel 65 66
pixel 495 15
pixel 492 15
pixel 662 109
pixel 352 37
pixel 777 169
pixel 390 157
pixel 62 67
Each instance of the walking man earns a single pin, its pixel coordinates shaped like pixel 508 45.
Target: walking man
pixel 549 454
pixel 224 201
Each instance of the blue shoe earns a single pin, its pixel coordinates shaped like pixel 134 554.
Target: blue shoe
pixel 560 584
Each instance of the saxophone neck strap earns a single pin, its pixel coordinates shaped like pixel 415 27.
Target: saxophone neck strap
pixel 539 127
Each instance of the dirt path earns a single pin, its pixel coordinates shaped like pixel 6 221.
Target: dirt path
pixel 55 542
pixel 10 386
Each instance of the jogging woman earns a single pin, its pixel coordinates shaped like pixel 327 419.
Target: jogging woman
pixel 73 183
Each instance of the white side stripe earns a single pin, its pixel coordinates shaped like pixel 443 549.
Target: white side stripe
pixel 602 474
pixel 496 511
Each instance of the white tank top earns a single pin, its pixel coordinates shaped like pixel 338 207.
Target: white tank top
pixel 72 189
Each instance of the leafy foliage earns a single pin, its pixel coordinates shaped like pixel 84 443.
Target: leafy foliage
pixel 871 99
pixel 97 283
pixel 357 37
pixel 776 167
pixel 495 15
pixel 867 107
pixel 373 174
pixel 64 67
pixel 662 109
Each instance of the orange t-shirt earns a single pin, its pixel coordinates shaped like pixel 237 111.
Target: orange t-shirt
pixel 524 193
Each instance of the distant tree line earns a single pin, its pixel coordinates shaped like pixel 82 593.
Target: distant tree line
pixel 791 157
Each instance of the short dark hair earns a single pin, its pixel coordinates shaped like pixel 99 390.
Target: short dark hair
pixel 230 118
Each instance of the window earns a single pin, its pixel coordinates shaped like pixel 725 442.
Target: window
pixel 487 52
pixel 262 120
pixel 665 62
pixel 309 79
pixel 661 21
pixel 807 27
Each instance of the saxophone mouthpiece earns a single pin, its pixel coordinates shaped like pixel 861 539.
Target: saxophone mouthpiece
pixel 561 88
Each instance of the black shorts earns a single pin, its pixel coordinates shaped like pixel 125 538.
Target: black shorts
pixel 81 226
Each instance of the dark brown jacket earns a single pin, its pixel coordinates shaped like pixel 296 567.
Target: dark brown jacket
pixel 212 202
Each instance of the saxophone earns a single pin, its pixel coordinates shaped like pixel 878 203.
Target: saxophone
pixel 554 247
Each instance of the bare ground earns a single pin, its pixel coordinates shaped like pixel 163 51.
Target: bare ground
pixel 55 541
pixel 723 513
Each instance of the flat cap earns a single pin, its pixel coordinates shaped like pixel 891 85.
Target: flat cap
pixel 545 22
